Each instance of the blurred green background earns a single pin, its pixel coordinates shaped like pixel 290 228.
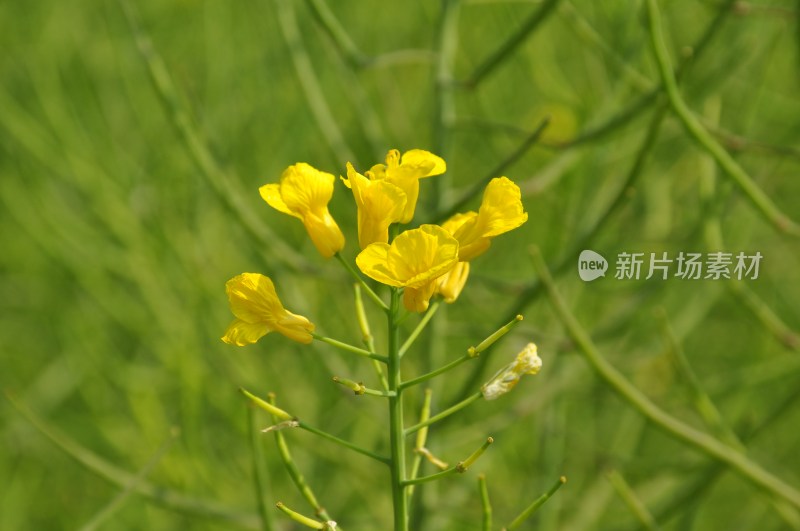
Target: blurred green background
pixel 130 162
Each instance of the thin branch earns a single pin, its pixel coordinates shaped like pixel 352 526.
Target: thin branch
pixel 505 50
pixel 730 167
pixel 746 468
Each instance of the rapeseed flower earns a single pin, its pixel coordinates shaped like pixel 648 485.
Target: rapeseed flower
pixel 500 211
pixel 380 203
pixel 258 311
pixel 405 172
pixel 414 260
pixel 304 192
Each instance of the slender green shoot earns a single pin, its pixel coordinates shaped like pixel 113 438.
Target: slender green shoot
pixel 349 348
pixel 294 473
pixel 359 388
pixel 532 508
pixel 704 139
pixel 459 468
pixel 372 295
pixel 444 414
pixel 745 467
pixel 632 501
pixel 419 328
pixel 302 519
pixel 486 504
pixel 422 439
pixel 366 335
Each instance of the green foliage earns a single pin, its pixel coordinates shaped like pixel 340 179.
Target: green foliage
pixel 131 160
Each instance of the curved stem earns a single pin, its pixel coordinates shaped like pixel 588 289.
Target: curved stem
pixel 744 466
pixel 739 176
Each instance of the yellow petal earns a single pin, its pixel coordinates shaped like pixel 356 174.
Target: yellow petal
pixel 450 284
pixel 240 333
pixel 306 189
pixel 501 209
pixel 304 192
pixel 421 255
pixel 271 193
pixel 418 299
pixel 324 233
pixel 424 162
pixel 379 203
pixel 457 220
pixel 258 311
pixel 373 262
pixel 405 172
pixel 295 327
pixel 252 298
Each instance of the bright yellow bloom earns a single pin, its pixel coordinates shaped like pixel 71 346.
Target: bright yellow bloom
pixel 304 192
pixel 450 284
pixel 500 211
pixel 379 203
pixel 405 173
pixel 414 260
pixel 258 312
pixel 527 362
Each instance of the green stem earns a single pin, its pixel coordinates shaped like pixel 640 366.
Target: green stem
pixel 341 38
pixel 422 438
pixel 446 413
pixel 538 502
pixel 707 444
pixel 360 389
pixel 354 273
pixel 294 473
pixel 259 470
pixel 486 505
pixel 349 348
pixel 420 327
pixel 157 494
pixel 342 442
pixel 433 477
pixel 436 372
pixel 505 50
pixel 300 518
pixel 459 468
pixel 629 497
pixel 497 171
pixel 396 434
pixel 366 335
pixel 739 176
pixel 309 82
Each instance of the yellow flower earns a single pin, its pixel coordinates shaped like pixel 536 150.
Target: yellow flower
pixel 304 192
pixel 450 284
pixel 414 260
pixel 500 211
pixel 379 203
pixel 258 311
pixel 527 362
pixel 405 173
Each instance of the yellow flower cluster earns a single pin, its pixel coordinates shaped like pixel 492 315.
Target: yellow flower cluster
pixel 424 261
